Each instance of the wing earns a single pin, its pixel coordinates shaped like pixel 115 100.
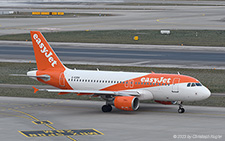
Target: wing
pixel 90 92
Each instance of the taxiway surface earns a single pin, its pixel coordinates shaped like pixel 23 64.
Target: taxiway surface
pixel 126 55
pixel 150 122
pixel 205 16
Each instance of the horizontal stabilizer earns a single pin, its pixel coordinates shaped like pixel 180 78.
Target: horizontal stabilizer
pixel 17 75
pixel 39 76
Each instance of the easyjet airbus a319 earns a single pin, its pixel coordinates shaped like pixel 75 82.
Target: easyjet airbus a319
pixel 123 90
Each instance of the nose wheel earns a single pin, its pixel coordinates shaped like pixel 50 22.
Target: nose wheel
pixel 106 108
pixel 181 109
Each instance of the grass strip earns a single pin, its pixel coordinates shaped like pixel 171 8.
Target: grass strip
pixel 148 37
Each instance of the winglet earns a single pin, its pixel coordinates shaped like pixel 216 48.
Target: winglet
pixel 35 89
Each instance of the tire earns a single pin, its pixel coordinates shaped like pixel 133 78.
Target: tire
pixel 181 110
pixel 106 108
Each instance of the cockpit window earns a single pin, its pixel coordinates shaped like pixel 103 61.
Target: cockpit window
pixel 198 84
pixel 189 84
pixel 193 84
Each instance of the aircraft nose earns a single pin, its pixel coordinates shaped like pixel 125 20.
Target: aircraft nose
pixel 206 93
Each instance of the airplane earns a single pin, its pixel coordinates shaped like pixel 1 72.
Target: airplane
pixel 123 90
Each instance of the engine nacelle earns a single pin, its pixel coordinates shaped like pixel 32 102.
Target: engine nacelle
pixel 127 103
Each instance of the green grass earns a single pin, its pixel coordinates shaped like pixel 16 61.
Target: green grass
pixel 213 79
pixel 149 37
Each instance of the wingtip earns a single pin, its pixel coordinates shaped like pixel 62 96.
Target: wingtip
pixel 35 89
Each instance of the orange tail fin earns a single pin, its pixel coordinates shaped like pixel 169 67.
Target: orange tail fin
pixel 44 54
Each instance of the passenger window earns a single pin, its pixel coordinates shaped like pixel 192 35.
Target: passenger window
pixel 189 84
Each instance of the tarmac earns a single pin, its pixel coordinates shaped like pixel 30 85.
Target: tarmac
pixel 121 55
pixel 37 119
pixel 206 16
pixel 151 122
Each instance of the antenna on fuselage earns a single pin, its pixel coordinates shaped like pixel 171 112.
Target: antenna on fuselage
pixel 97 69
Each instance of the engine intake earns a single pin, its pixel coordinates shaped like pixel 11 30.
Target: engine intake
pixel 127 103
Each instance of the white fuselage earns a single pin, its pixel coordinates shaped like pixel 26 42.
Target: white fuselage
pixel 103 80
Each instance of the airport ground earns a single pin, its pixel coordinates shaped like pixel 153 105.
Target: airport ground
pixel 130 17
pixel 151 121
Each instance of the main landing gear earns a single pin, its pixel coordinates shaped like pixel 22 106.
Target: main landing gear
pixel 106 108
pixel 181 109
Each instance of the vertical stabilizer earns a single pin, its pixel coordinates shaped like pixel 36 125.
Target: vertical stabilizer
pixel 44 54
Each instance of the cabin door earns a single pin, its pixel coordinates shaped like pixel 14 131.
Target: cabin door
pixel 175 85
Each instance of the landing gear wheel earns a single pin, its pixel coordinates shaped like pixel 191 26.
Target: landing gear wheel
pixel 106 108
pixel 181 110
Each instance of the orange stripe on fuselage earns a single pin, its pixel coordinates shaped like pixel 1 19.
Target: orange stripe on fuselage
pixel 150 78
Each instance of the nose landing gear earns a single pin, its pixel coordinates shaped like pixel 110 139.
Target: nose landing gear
pixel 181 109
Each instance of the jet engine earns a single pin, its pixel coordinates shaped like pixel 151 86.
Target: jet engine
pixel 127 103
